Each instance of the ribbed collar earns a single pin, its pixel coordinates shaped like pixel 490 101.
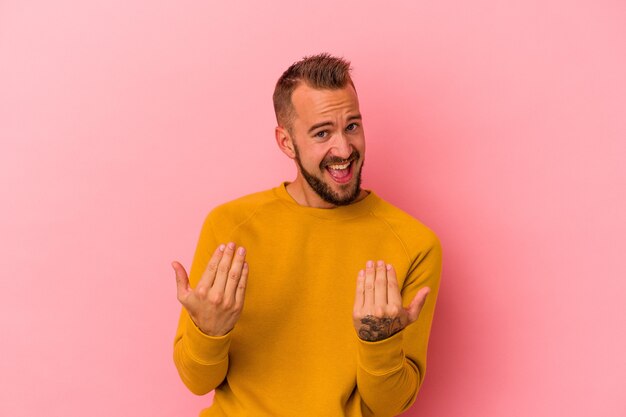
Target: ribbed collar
pixel 360 208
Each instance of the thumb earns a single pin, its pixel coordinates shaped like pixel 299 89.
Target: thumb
pixel 182 281
pixel 416 305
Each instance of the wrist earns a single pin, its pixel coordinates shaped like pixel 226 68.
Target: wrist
pixel 209 332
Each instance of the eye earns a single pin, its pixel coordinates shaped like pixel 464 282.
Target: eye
pixel 352 127
pixel 321 134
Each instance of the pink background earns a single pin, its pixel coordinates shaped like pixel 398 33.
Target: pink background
pixel 502 125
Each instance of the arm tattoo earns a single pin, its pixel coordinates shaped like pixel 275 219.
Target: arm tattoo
pixel 374 329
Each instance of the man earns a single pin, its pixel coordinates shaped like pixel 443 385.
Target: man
pixel 335 280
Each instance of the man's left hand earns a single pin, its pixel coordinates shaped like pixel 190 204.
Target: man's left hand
pixel 378 312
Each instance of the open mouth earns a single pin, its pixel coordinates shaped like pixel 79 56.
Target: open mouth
pixel 341 173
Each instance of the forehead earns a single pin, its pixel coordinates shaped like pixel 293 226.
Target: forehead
pixel 311 104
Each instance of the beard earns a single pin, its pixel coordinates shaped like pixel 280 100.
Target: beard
pixel 324 190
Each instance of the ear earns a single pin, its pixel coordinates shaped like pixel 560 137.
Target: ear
pixel 285 142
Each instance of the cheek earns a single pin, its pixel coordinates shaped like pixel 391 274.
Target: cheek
pixel 359 145
pixel 319 159
pixel 312 158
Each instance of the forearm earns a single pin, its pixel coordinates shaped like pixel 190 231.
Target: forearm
pixel 201 360
pixel 387 380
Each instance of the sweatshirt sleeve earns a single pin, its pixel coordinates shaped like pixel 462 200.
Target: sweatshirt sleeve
pixel 201 360
pixel 391 371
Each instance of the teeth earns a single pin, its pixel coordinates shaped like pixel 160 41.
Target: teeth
pixel 344 166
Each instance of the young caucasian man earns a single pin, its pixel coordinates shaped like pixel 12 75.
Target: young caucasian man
pixel 314 298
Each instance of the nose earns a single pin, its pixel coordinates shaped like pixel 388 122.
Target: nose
pixel 341 146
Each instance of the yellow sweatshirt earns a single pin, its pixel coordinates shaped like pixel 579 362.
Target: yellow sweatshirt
pixel 294 350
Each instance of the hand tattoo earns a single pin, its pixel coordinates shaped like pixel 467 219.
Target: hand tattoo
pixel 374 329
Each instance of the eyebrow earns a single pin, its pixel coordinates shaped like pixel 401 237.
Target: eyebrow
pixel 327 123
pixel 318 125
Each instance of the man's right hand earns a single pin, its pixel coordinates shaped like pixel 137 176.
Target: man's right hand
pixel 215 304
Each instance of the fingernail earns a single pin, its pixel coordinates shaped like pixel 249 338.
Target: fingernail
pixel 380 263
pixel 222 247
pixel 388 267
pixel 361 273
pixel 370 264
pixel 231 245
pixel 241 251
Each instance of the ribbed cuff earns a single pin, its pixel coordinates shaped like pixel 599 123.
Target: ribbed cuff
pixel 208 350
pixel 381 357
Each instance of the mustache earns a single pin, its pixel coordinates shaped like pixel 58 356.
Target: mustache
pixel 333 160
